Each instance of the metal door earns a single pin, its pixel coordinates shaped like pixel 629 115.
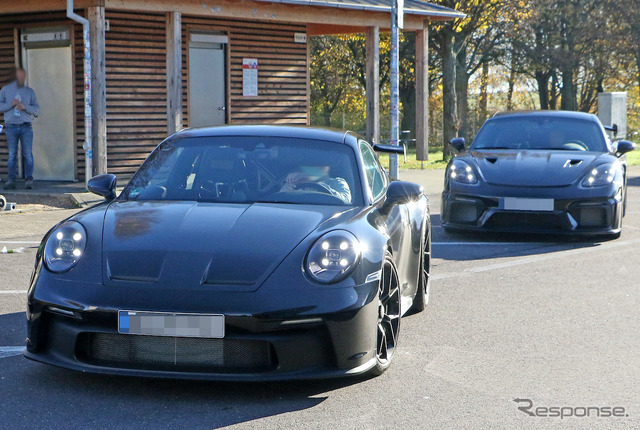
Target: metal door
pixel 207 80
pixel 49 73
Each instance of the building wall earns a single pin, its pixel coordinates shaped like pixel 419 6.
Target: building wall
pixel 282 69
pixel 8 54
pixel 136 78
pixel 136 88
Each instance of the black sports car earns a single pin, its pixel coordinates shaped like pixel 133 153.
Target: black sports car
pixel 247 253
pixel 541 172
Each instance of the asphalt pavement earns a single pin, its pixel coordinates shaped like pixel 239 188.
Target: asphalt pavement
pixel 553 323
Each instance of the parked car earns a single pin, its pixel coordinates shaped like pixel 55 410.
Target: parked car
pixel 540 172
pixel 244 253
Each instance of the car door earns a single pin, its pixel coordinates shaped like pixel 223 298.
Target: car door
pixel 398 223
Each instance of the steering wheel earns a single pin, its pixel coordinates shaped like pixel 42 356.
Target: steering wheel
pixel 314 186
pixel 576 145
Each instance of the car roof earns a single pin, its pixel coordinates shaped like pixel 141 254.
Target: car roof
pixel 300 132
pixel 547 113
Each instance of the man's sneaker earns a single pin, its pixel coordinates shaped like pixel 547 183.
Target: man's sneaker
pixel 29 184
pixel 10 185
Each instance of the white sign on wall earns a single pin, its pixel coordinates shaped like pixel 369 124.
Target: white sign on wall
pixel 250 77
pixel 300 37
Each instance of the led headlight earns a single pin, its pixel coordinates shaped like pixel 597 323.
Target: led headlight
pixel 65 247
pixel 333 257
pixel 461 171
pixel 601 175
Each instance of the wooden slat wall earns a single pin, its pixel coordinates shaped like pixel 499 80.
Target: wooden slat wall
pixel 136 88
pixel 6 72
pixel 282 74
pixel 7 64
pixel 136 78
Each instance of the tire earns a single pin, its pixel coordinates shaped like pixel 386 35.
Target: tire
pixel 388 324
pixel 421 300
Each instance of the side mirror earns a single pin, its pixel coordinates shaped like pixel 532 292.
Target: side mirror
pixel 103 185
pixel 458 144
pixel 390 149
pixel 613 129
pixel 625 146
pixel 400 192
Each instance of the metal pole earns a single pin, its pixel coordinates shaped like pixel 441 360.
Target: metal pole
pixel 88 114
pixel 395 82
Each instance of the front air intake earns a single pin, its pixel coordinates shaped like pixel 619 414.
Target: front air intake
pixel 175 353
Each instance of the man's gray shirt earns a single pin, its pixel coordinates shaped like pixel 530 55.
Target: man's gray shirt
pixel 28 98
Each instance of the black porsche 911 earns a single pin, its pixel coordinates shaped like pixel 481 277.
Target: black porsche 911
pixel 538 172
pixel 246 253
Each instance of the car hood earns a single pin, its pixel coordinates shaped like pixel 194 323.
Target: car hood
pixel 202 245
pixel 533 168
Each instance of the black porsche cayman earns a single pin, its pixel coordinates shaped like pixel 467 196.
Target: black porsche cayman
pixel 247 253
pixel 539 172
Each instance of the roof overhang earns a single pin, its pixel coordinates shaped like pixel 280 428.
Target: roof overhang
pixel 319 15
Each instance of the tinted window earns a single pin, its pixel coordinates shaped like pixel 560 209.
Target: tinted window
pixel 375 177
pixel 248 170
pixel 540 132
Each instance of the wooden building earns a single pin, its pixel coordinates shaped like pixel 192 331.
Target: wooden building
pixel 161 65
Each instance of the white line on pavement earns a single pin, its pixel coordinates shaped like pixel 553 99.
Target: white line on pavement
pixel 538 258
pixel 498 243
pixel 19 242
pixel 13 291
pixel 10 351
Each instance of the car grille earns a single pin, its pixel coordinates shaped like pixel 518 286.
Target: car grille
pixel 175 353
pixel 525 220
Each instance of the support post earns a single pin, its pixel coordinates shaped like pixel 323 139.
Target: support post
pixel 98 89
pixel 373 84
pixel 422 93
pixel 174 72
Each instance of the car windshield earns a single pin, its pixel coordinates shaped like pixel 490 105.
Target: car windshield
pixel 540 132
pixel 248 170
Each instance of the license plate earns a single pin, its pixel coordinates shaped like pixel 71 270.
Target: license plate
pixel 524 204
pixel 171 324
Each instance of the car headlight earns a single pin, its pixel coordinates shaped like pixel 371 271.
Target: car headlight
pixel 333 257
pixel 601 175
pixel 461 171
pixel 65 247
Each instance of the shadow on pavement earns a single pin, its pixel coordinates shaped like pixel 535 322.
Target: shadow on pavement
pixel 634 182
pixel 471 245
pixel 53 397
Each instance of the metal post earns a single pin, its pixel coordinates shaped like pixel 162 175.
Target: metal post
pixel 396 23
pixel 87 146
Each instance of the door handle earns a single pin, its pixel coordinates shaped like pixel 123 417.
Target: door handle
pixel 222 108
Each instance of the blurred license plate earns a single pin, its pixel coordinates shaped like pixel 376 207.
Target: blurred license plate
pixel 171 324
pixel 523 204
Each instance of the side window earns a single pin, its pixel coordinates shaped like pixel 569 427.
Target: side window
pixel 375 177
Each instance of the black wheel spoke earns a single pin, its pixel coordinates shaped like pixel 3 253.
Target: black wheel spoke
pixel 388 312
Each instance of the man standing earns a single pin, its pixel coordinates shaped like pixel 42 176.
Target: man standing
pixel 19 105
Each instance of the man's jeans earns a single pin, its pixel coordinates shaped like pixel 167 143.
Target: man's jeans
pixel 24 134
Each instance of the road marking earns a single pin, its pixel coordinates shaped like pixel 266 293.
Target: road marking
pixel 10 351
pixel 538 258
pixel 19 242
pixel 13 291
pixel 500 243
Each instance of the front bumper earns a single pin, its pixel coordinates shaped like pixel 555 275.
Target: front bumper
pixel 285 341
pixel 580 216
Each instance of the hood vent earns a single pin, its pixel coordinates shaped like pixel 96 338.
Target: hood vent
pixel 492 160
pixel 571 163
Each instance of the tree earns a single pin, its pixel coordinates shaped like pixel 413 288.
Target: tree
pixel 331 74
pixel 465 45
